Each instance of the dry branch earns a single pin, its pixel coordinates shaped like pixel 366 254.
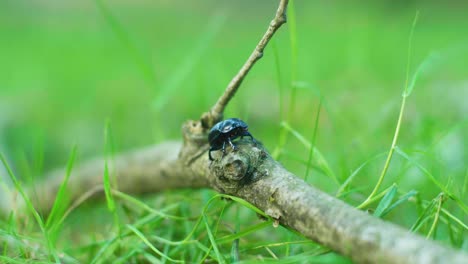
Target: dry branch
pixel 251 173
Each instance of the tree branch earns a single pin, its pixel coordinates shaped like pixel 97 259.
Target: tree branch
pixel 216 112
pixel 251 174
pixel 143 171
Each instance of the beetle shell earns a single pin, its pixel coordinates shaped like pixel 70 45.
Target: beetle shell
pixel 225 127
pixel 224 132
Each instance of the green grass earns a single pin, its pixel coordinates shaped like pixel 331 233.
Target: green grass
pixel 324 99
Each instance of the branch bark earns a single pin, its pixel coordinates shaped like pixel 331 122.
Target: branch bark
pixel 251 173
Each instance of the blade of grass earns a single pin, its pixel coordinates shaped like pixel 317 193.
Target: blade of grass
pixel 354 173
pixel 424 67
pixel 406 93
pixel 148 243
pixel 107 189
pixel 245 204
pixel 292 98
pixel 105 250
pixel 61 200
pixel 279 81
pixel 402 199
pixel 109 246
pixel 272 254
pixel 151 258
pixel 456 239
pixel 314 136
pixel 245 232
pixel 235 251
pixel 126 258
pixel 386 201
pixel 320 160
pixel 214 233
pixel 279 244
pixel 135 202
pixel 173 243
pixel 16 260
pixel 378 196
pixel 423 216
pixel 109 152
pixel 52 253
pixel 293 156
pixel 293 40
pixel 433 179
pixel 235 243
pixel 440 199
pixel 220 258
pixel 455 219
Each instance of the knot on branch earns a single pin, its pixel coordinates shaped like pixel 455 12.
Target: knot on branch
pixel 195 140
pixel 238 168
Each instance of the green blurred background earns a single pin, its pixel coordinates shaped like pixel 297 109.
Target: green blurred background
pixel 147 66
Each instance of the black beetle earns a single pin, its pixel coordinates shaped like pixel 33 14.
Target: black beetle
pixel 226 131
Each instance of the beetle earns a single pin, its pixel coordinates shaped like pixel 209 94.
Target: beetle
pixel 224 132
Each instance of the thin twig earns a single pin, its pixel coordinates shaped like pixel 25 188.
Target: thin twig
pixel 216 112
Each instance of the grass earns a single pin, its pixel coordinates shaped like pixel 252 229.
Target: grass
pixel 324 100
pixel 406 93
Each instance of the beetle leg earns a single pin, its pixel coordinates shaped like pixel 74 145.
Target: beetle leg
pixel 209 154
pixel 249 135
pixel 224 149
pixel 232 145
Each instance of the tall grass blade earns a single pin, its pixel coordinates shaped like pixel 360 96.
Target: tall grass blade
pixel 423 68
pixel 440 200
pixel 108 186
pixel 283 136
pixel 279 81
pixel 108 189
pixel 62 199
pixel 219 257
pixel 106 177
pixel 398 125
pixel 293 40
pixel 455 219
pixel 409 54
pixel 314 136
